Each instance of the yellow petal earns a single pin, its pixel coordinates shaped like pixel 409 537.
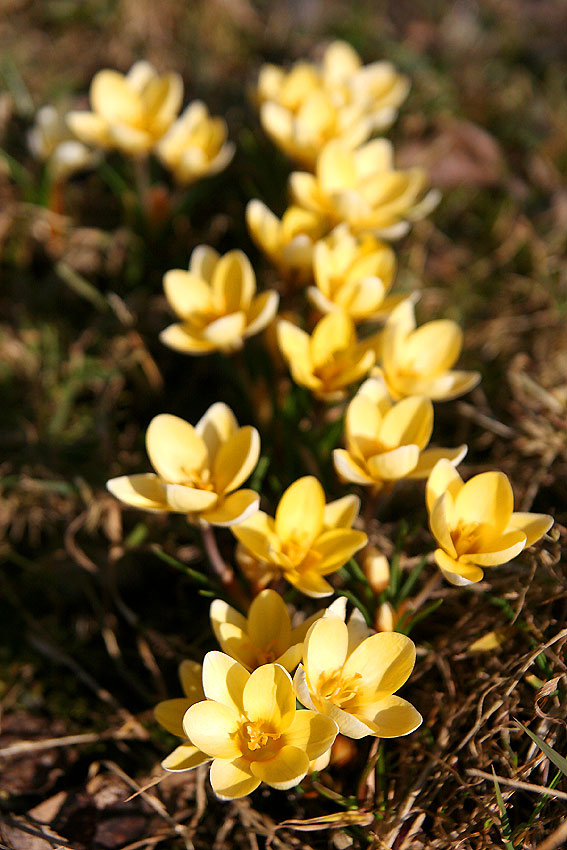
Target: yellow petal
pixel 212 727
pixel 349 724
pixel 162 98
pixel 184 757
pixel 429 457
pixel 130 139
pixel 145 491
pixel 262 311
pixel 293 342
pixel 191 678
pixel 301 689
pixel 224 680
pixel 175 449
pixel 441 519
pixel 234 641
pixel 263 225
pixel 169 714
pixel 393 465
pixel 443 477
pixel 335 547
pixel 268 698
pixel 336 168
pixel 374 157
pixel 291 657
pixel 269 625
pixel 186 293
pixel 189 500
pixel 233 509
pixel 486 498
pixel 434 347
pixel 457 572
pixel 409 421
pixel 227 332
pixel 349 470
pixel 179 338
pixel 534 526
pixel 285 770
pixel 357 630
pixel 340 61
pixel 447 386
pixel 384 663
pixel 257 534
pixel 341 513
pixel 89 128
pixel 325 648
pixel 362 426
pixel 395 717
pixel 114 99
pixel 236 459
pixel 311 732
pixel 232 779
pixel 309 582
pixel 215 427
pixel 498 550
pixel 234 282
pixel 220 613
pixel 299 515
pixel 203 262
pixel 333 333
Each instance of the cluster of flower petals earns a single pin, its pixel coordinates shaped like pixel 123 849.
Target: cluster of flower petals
pixel 198 470
pixel 217 303
pixel 170 712
pixel 387 441
pixel 195 146
pixel 51 141
pixel 474 523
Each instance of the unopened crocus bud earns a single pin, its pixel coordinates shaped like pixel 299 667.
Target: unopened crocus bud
pixel 376 569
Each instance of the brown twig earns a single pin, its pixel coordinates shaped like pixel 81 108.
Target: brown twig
pixel 221 569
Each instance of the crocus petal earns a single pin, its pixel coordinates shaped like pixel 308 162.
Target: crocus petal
pixel 362 425
pixel 534 526
pixel 130 139
pixel 90 128
pixel 235 642
pixel 286 769
pixel 443 477
pixel 234 282
pixel 301 689
pixel 309 582
pixel 435 346
pixel 174 448
pixel 325 648
pixel 441 521
pixel 299 515
pixel 448 386
pixel 145 491
pixel 333 333
pixel 224 680
pixel 390 466
pixel 357 630
pixel 269 625
pixel 203 261
pixel 349 469
pixel 263 225
pixel 169 714
pixel 349 725
pixel 191 678
pixel 212 727
pixel 430 457
pixel 179 338
pixel 293 342
pixel 500 550
pixel 236 459
pixel 341 513
pixel 291 657
pixel 112 97
pixel 486 498
pixel 304 191
pixel 186 293
pixel 311 732
pixel 409 421
pixel 189 500
pixel 215 427
pixel 395 717
pixel 233 509
pixel 184 757
pixel 454 570
pixel 269 699
pixel 336 546
pixel 221 612
pixel 231 779
pixel 226 333
pixel 383 662
pixel 262 311
pixel 257 534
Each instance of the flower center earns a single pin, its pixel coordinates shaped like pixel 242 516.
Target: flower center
pixel 254 736
pixel 466 537
pixel 199 480
pixel 337 688
pixel 296 547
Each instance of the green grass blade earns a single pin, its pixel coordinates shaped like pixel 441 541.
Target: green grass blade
pixel 551 754
pixel 504 819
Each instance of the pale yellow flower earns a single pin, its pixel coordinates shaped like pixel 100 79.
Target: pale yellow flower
pixel 353 274
pixel 310 105
pixel 265 636
pixel 217 303
pixel 199 470
pixel 352 677
pixel 170 712
pixel 308 539
pixel 196 145
pixel 376 569
pixel 131 112
pixel 418 361
pixel 329 360
pixel 362 188
pixel 287 242
pixel 386 442
pixel 387 617
pixel 51 141
pixel 251 729
pixel 474 524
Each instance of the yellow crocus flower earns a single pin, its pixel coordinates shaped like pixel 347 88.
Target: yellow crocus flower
pixel 196 145
pixel 131 112
pixel 329 360
pixel 307 539
pixel 265 636
pixel 474 524
pixel 170 712
pixel 199 470
pixel 287 242
pixel 362 188
pixel 386 442
pixel 250 727
pixel 217 303
pixel 51 141
pixel 352 677
pixel 354 274
pixel 418 361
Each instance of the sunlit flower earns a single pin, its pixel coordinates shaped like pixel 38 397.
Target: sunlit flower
pixel 376 569
pixel 196 145
pixel 387 616
pixel 418 361
pixel 131 112
pixel 308 539
pixel 362 188
pixel 265 636
pixel 169 714
pixel 352 677
pixel 329 360
pixel 51 141
pixel 287 242
pixel 199 470
pixel 386 442
pixel 250 727
pixel 217 303
pixel 355 275
pixel 304 108
pixel 474 524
